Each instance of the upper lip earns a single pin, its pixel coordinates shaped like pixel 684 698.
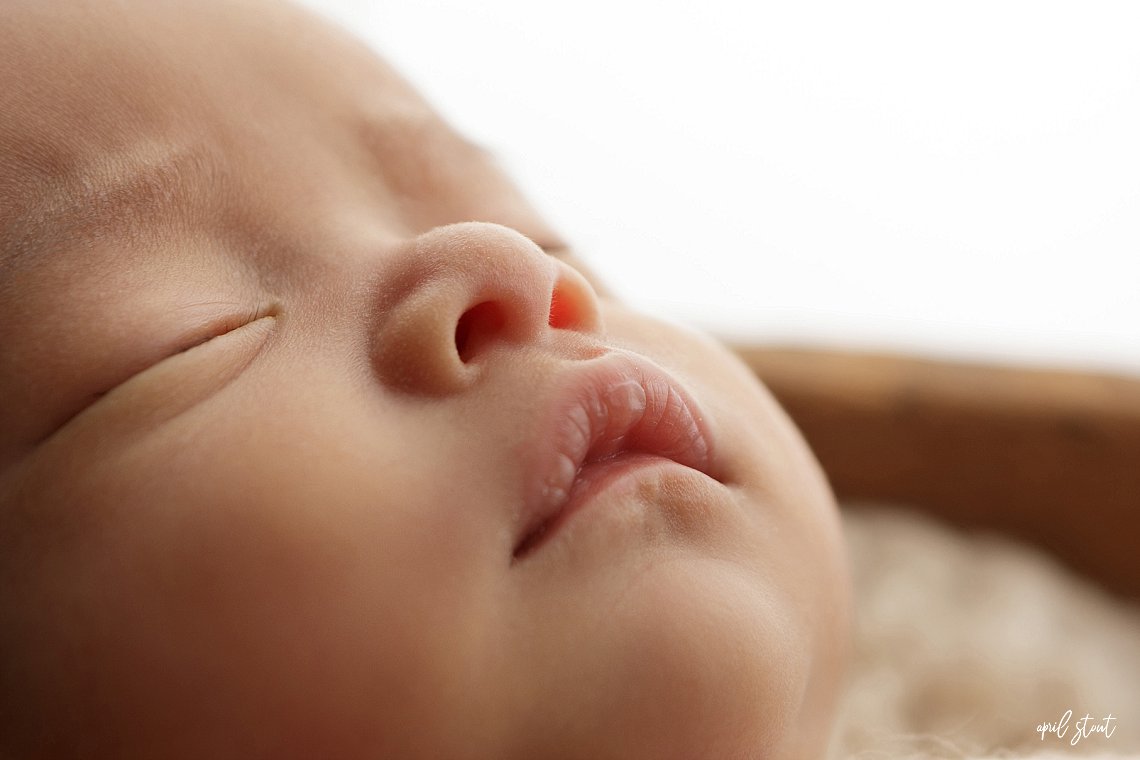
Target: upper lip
pixel 619 403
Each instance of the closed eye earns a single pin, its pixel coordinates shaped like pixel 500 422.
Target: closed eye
pixel 217 326
pixel 554 249
pixel 188 369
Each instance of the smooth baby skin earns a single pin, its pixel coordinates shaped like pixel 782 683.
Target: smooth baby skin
pixel 264 446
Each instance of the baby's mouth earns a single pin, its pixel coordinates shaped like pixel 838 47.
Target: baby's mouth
pixel 613 412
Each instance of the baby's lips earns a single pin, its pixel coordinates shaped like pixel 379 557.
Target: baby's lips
pixel 618 403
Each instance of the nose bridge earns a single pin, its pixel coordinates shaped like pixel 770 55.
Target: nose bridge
pixel 452 292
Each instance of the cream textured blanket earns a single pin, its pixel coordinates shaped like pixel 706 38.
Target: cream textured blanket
pixel 970 646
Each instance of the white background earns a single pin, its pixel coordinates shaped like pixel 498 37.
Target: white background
pixel 953 179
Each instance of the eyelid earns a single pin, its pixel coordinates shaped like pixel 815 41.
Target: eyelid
pixel 217 326
pixel 198 340
pixel 554 249
pixel 146 400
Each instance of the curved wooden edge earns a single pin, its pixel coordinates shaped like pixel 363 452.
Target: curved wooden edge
pixel 1050 457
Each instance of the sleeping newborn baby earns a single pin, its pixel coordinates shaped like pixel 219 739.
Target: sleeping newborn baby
pixel 315 443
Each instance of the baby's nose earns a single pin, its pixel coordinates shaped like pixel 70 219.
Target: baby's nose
pixel 461 291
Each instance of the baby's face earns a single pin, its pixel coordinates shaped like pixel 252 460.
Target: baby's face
pixel 309 449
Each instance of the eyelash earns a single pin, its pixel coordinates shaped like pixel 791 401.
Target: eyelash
pixel 217 329
pixel 224 326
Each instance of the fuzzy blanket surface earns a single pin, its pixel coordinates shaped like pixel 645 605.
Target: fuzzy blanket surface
pixel 972 646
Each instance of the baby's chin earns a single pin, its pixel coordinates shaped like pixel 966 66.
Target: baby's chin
pixel 689 656
pixel 727 658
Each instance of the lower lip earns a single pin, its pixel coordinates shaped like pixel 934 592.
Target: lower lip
pixel 593 480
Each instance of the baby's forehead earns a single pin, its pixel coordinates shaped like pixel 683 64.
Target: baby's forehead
pixel 96 98
pixel 118 114
pixel 136 118
pixel 80 81
pixel 84 80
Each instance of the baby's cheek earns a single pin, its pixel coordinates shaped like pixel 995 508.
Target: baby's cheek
pixel 206 593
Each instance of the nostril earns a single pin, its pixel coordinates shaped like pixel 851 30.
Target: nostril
pixel 568 309
pixel 560 311
pixel 478 323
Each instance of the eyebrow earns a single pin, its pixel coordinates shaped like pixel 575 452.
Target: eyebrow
pixel 115 197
